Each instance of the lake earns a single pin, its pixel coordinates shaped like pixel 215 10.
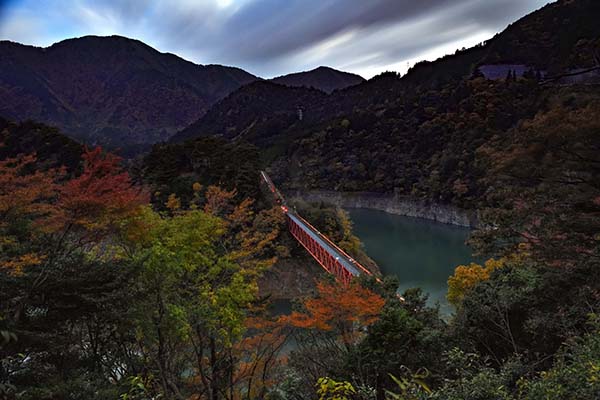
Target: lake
pixel 421 253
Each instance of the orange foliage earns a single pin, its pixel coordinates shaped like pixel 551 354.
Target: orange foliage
pixel 250 237
pixel 26 194
pixel 23 196
pixel 16 264
pixel 259 353
pixel 218 201
pixel 258 238
pixel 173 203
pixel 257 358
pixel 344 309
pixel 100 197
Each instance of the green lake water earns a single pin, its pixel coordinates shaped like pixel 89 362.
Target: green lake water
pixel 421 253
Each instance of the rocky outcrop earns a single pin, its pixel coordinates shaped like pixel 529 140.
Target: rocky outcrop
pixel 393 204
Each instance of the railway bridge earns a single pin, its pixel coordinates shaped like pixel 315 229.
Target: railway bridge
pixel 333 259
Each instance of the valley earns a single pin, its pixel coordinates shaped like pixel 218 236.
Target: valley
pixel 429 234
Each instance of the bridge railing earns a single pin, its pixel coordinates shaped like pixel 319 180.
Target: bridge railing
pixel 336 247
pixel 324 258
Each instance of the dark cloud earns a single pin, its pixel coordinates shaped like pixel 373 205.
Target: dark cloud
pixel 281 30
pixel 272 37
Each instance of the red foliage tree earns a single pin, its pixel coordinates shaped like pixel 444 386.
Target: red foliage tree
pixel 100 197
pixel 69 213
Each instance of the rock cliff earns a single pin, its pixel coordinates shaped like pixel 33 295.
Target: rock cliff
pixel 394 204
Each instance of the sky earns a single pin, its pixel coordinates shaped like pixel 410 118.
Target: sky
pixel 274 37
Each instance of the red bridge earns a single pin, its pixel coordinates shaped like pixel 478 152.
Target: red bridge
pixel 333 259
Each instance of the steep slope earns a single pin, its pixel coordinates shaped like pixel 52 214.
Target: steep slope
pixel 422 135
pixel 322 78
pixel 258 112
pixel 558 38
pixel 52 148
pixel 111 90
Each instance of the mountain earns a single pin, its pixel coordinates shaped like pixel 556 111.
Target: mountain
pixel 322 78
pixel 417 135
pixel 559 38
pixel 110 90
pixel 258 112
pixel 529 46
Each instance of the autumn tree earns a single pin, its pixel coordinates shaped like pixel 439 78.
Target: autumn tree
pixel 251 235
pixel 541 206
pixel 57 217
pixel 546 190
pixel 98 199
pixel 25 207
pixel 259 355
pixel 327 327
pixel 467 276
pixel 199 269
pixel 63 292
pixel 194 300
pixel 340 309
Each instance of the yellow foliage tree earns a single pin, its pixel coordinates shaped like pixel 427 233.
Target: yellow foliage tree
pixel 173 203
pixel 329 389
pixel 467 276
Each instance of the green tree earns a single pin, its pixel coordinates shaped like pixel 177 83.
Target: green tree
pixel 408 336
pixel 575 374
pixel 195 301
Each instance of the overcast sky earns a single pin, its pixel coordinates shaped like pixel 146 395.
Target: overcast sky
pixel 274 37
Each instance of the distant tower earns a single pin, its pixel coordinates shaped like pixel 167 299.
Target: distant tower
pixel 300 113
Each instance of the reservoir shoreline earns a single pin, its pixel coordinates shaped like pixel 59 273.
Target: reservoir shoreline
pixel 393 204
pixel 421 253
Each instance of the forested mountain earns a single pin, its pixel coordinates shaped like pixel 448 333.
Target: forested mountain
pixel 415 135
pixel 561 36
pixel 109 90
pixel 259 113
pixel 558 38
pixel 119 92
pixel 322 78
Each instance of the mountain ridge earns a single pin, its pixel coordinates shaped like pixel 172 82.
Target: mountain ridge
pixel 121 92
pixel 574 44
pixel 111 90
pixel 409 134
pixel 323 78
